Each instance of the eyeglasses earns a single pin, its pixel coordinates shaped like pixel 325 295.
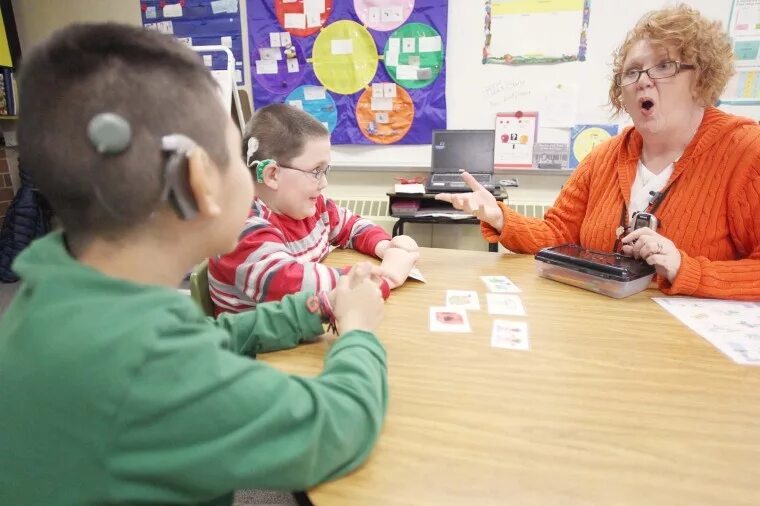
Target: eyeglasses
pixel 317 174
pixel 659 71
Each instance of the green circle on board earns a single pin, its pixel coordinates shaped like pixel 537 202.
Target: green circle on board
pixel 413 55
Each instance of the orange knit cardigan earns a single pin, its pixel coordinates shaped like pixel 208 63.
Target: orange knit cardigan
pixel 711 213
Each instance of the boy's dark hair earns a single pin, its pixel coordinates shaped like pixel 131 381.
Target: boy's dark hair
pixel 282 131
pixel 152 80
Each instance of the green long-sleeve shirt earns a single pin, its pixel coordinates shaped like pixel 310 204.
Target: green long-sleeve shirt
pixel 116 392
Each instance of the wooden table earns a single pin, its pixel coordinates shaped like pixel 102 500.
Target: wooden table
pixel 616 403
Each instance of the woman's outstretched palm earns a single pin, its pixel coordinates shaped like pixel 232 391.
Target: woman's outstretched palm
pixel 478 202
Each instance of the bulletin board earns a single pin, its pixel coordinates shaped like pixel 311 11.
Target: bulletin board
pixel 200 23
pixel 372 71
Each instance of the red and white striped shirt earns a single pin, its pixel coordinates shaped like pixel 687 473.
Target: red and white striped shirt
pixel 277 255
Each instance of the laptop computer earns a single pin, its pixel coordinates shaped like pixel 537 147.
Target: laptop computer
pixel 455 150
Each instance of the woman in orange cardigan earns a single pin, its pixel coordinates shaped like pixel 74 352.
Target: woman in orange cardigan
pixel 696 168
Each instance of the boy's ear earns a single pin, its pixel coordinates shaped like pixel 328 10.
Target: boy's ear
pixel 272 176
pixel 203 178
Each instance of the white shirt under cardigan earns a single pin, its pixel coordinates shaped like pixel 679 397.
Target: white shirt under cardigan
pixel 646 182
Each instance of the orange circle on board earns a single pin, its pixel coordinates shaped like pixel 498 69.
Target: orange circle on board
pixel 295 11
pixel 383 126
pixel 523 139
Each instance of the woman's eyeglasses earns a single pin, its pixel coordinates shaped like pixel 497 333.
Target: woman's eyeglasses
pixel 659 71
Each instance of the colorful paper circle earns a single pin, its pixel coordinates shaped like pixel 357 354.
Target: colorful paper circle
pixel 286 77
pixel 413 55
pixel 293 18
pixel 378 15
pixel 385 126
pixel 587 140
pixel 316 101
pixel 344 57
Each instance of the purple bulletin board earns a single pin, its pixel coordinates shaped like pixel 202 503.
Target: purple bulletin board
pixel 301 52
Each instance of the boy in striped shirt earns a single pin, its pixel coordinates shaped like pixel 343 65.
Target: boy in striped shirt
pixel 292 226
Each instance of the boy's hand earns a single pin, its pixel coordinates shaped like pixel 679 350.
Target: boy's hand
pixel 406 243
pixel 397 264
pixel 357 300
pixel 382 247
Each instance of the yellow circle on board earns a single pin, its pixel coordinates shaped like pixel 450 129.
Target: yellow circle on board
pixel 345 57
pixel 587 140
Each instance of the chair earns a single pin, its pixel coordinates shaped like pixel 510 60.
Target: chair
pixel 199 288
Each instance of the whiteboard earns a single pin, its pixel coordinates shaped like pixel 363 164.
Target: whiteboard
pixel 476 92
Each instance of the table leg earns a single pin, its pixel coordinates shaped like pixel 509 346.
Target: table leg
pixel 493 247
pixel 302 499
pixel 398 227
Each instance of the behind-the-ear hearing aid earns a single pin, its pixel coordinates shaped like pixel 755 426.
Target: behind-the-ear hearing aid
pixel 176 149
pixel 256 165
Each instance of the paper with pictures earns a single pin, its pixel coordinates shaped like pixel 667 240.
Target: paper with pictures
pixel 416 274
pixel 381 104
pixel 374 15
pixel 559 105
pixel 731 326
pixel 465 299
pixel 406 73
pixel 342 46
pixel 150 12
pixel 378 91
pixel 501 303
pixel 295 20
pixel 408 45
pixel 270 53
pixel 429 44
pixel 500 284
pixel 173 10
pixel 208 60
pixel 285 39
pixel 265 67
pixel 274 39
pixel 313 20
pixel 510 335
pixel 745 18
pixel 166 27
pixel 394 45
pixel 449 319
pixel 296 103
pixel 226 41
pixel 391 59
pixel 520 28
pixel 314 93
pixel 389 90
pixel 515 135
pixel 292 65
pixel 238 76
pixel 316 7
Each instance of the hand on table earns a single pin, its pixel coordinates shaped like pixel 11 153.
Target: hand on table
pixel 655 249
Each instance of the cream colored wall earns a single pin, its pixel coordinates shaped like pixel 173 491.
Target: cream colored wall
pixel 38 19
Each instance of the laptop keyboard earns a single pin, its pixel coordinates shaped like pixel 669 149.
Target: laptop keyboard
pixel 456 178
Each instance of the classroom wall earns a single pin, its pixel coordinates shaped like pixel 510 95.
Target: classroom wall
pixel 38 19
pixel 369 171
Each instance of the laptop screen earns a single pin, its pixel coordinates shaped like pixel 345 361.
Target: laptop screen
pixel 471 150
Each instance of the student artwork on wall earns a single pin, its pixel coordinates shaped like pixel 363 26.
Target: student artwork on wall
pixel 744 29
pixel 515 135
pixel 372 71
pixel 515 31
pixel 584 138
pixel 200 23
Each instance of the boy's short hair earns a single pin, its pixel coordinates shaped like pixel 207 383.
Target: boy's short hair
pixel 282 131
pixel 152 80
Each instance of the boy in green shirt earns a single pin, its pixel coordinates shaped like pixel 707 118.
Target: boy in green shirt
pixel 113 386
